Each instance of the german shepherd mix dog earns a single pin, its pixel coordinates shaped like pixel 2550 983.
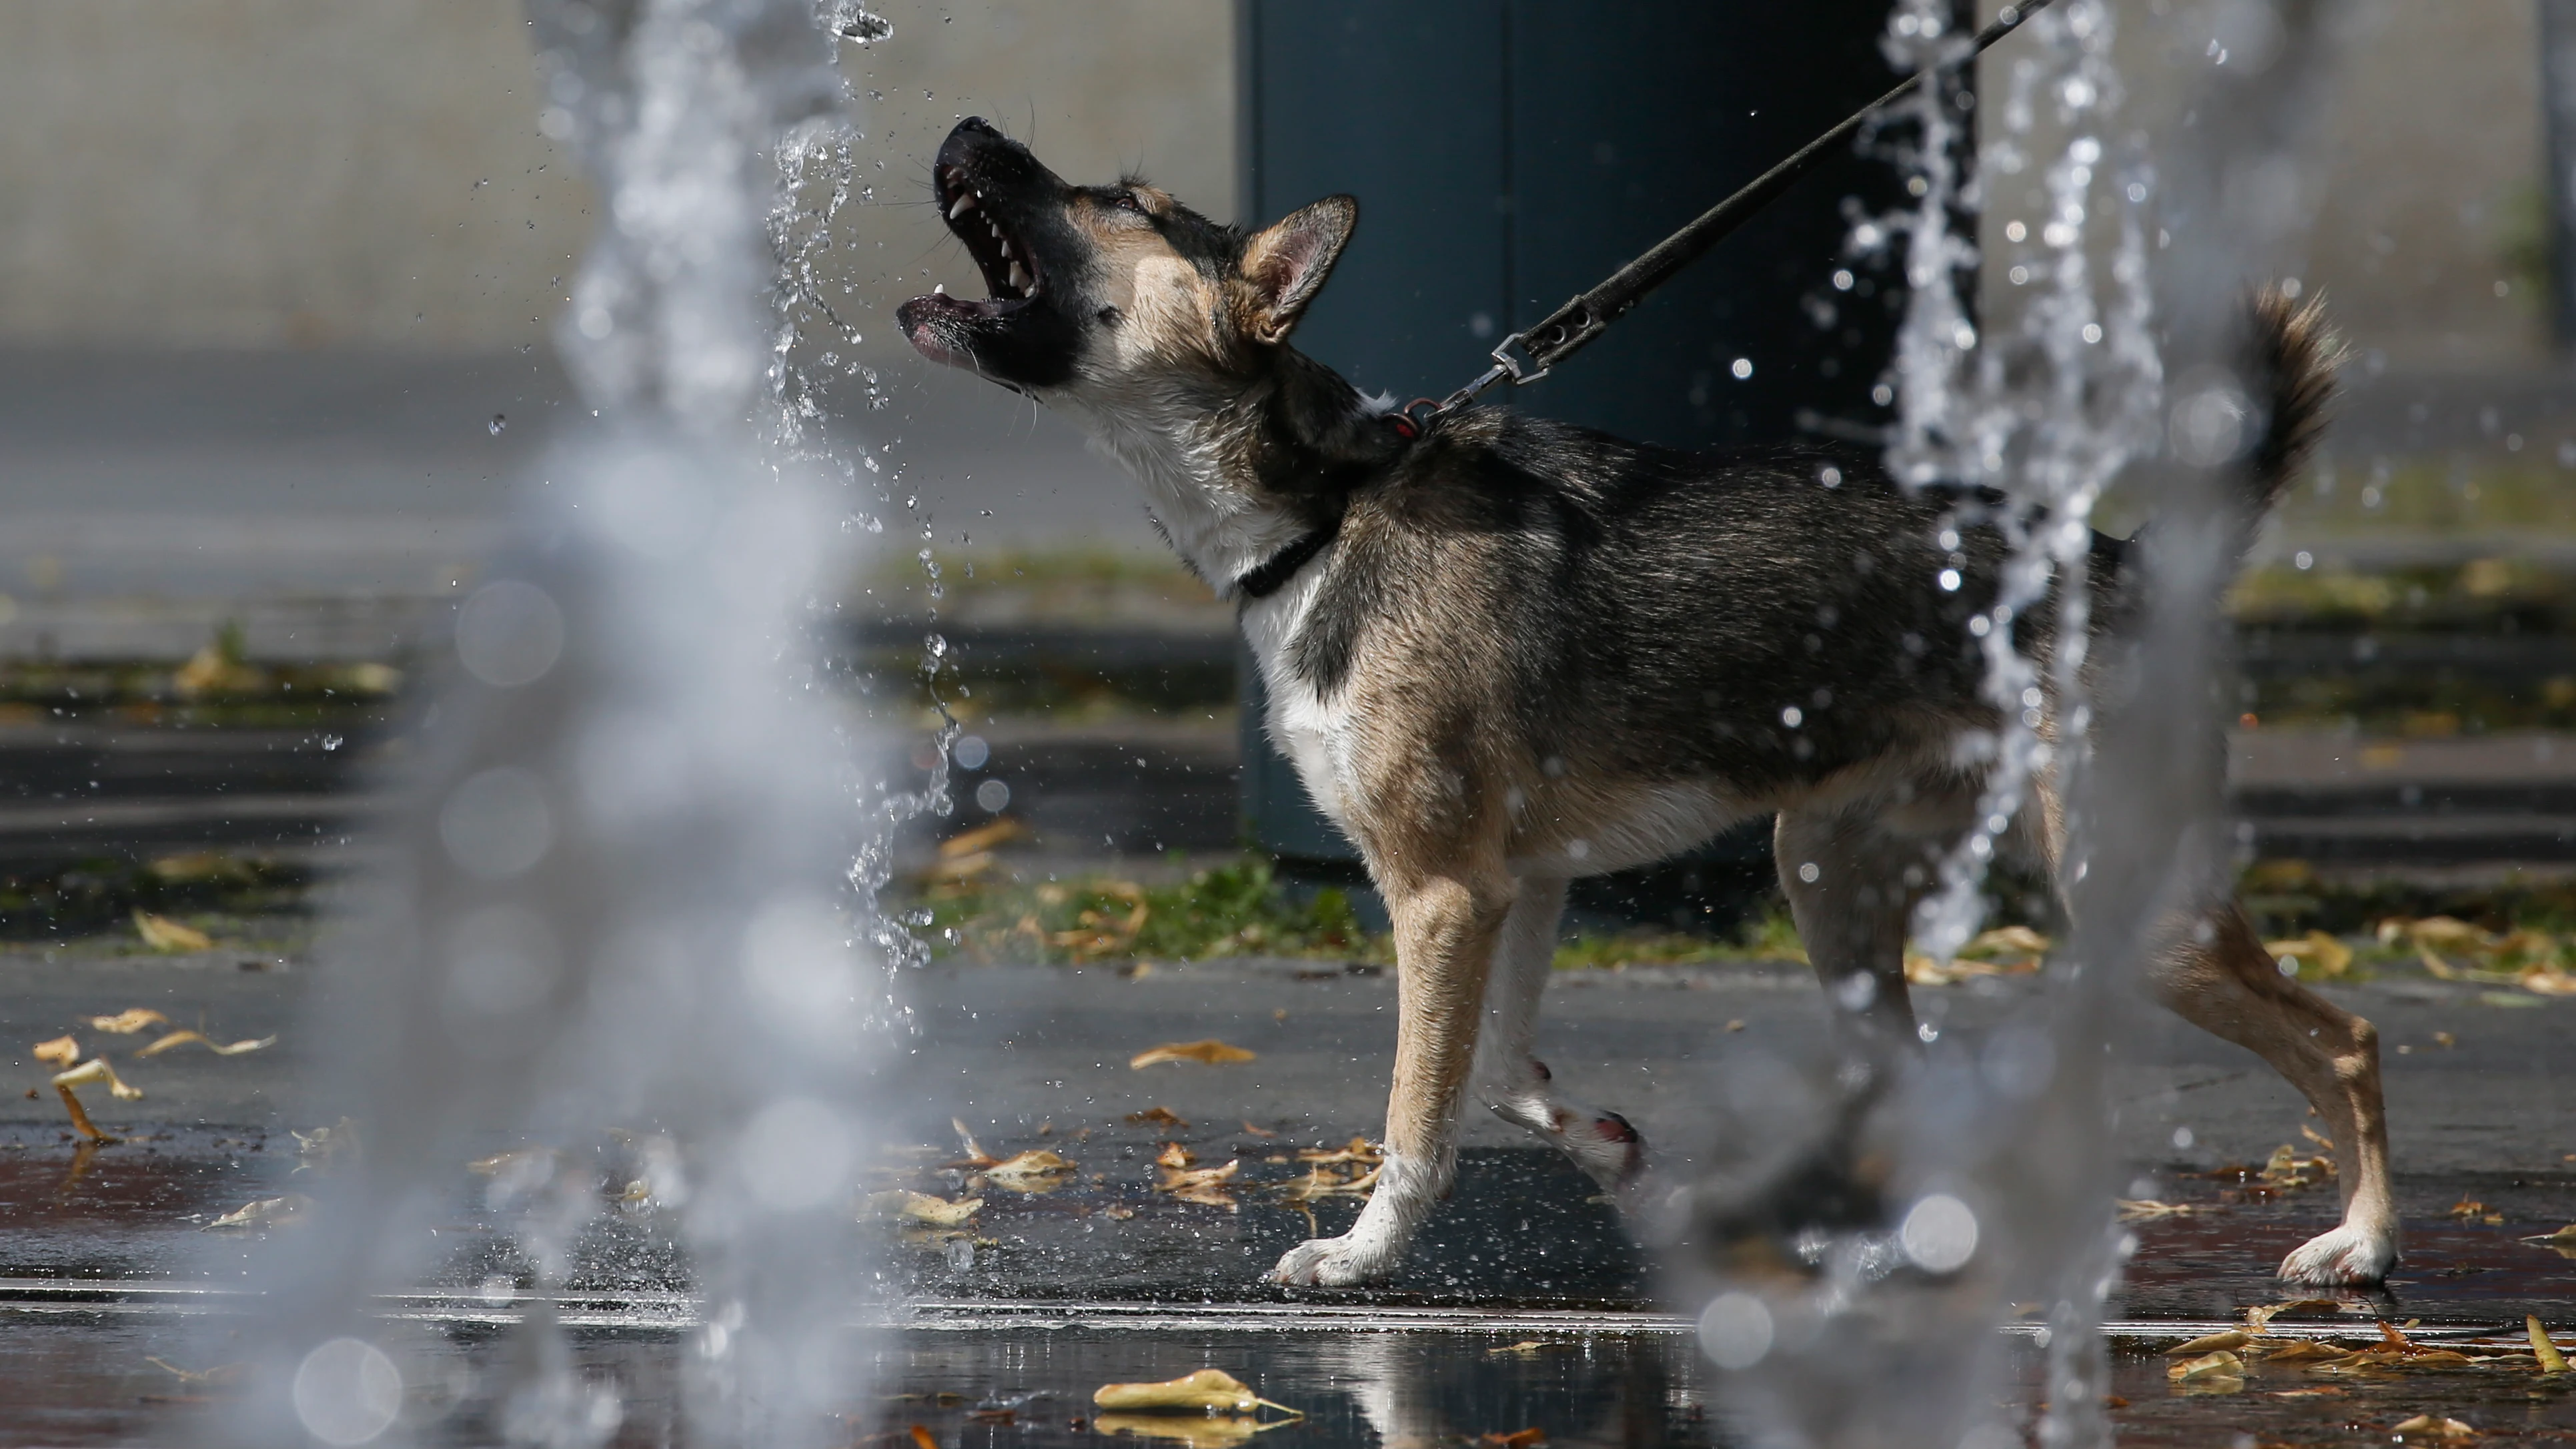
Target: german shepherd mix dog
pixel 1505 652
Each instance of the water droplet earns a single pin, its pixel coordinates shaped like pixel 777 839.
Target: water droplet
pixel 1939 1234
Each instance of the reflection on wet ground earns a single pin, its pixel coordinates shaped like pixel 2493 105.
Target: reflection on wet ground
pixel 1526 1308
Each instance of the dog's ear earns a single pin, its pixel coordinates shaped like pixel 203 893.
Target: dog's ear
pixel 1286 262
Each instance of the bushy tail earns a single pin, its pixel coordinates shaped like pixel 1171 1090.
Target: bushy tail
pixel 2291 356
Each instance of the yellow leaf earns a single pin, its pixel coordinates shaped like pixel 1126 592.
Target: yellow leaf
pixel 1174 1155
pixel 1034 1171
pixel 2257 1318
pixel 182 1038
pixel 128 1021
pixel 59 1053
pixel 96 1069
pixel 981 839
pixel 163 934
pixel 1211 1052
pixel 267 1212
pixel 2547 981
pixel 2433 1428
pixel 922 1207
pixel 1163 1117
pixel 2211 1343
pixel 2210 1371
pixel 2310 1351
pixel 501 1162
pixel 2332 956
pixel 1220 1431
pixel 1358 1149
pixel 2551 1360
pixel 1207 1390
pixel 2142 1209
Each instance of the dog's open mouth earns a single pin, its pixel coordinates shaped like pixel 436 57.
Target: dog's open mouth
pixel 1010 268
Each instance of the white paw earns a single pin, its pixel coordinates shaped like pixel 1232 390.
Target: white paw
pixel 2346 1257
pixel 1341 1262
pixel 1605 1147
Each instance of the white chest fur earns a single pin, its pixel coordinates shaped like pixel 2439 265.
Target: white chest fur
pixel 1313 729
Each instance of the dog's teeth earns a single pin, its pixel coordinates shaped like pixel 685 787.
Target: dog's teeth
pixel 939 289
pixel 1019 276
pixel 965 204
pixel 1006 249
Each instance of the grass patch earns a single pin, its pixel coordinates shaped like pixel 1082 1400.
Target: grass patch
pixel 1239 909
pixel 101 894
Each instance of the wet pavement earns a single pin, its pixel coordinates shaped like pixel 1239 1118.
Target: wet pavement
pixel 108 1257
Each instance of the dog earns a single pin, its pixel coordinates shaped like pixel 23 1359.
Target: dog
pixel 1504 653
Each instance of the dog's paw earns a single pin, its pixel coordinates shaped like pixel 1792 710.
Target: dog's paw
pixel 2347 1257
pixel 1607 1149
pixel 1342 1262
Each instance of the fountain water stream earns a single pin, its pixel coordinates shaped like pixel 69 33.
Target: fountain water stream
pixel 616 950
pixel 1984 1178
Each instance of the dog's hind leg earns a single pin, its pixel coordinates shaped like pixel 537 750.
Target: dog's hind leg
pixel 2221 980
pixel 1514 1084
pixel 1445 928
pixel 1843 872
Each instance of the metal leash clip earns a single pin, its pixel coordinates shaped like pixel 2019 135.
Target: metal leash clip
pixel 1506 367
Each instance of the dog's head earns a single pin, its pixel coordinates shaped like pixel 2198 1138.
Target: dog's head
pixel 1096 293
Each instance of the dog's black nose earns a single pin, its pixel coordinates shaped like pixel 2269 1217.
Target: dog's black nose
pixel 976 125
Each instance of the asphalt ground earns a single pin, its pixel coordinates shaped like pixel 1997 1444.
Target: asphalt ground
pixel 1039 1056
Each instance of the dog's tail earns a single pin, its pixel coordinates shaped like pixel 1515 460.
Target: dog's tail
pixel 2289 365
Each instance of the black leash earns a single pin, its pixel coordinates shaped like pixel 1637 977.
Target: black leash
pixel 1563 332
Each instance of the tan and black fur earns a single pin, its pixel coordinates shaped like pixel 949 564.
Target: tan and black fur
pixel 1504 653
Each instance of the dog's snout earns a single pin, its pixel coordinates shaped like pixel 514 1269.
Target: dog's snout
pixel 975 126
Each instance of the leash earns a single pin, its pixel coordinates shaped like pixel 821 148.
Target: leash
pixel 1565 331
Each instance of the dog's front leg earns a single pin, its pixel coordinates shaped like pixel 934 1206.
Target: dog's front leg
pixel 1445 928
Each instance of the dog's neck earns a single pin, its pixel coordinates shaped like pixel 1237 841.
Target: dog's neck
pixel 1233 476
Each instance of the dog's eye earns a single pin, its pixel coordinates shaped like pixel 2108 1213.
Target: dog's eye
pixel 1127 201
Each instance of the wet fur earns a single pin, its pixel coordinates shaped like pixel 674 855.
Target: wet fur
pixel 1535 652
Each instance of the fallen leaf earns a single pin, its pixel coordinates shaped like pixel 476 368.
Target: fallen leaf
pixel 59 1053
pixel 267 1212
pixel 1204 1185
pixel 2208 1365
pixel 2445 1039
pixel 129 1021
pixel 2308 1351
pixel 975 1156
pixel 2551 1360
pixel 2432 1427
pixel 96 1069
pixel 182 1038
pixel 501 1162
pixel 2142 1209
pixel 921 1438
pixel 222 1373
pixel 1208 1389
pixel 1254 1131
pixel 1735 1025
pixel 323 1144
pixel 1517 1439
pixel 981 838
pixel 1118 1214
pixel 2332 957
pixel 1174 1155
pixel 924 1208
pixel 1217 1431
pixel 163 934
pixel 1321 1181
pixel 2547 980
pixel 2211 1343
pixel 2257 1317
pixel 1211 1051
pixel 1526 1348
pixel 1163 1117
pixel 1034 1171
pixel 1358 1149
pixel 2468 1208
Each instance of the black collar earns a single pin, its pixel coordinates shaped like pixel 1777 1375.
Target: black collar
pixel 1280 567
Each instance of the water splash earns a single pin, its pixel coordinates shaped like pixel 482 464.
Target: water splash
pixel 1866 1236
pixel 614 941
